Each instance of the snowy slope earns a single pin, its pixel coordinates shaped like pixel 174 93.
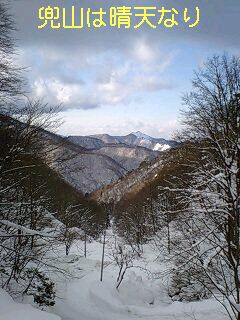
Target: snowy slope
pixel 157 144
pixel 143 293
pixel 140 296
pixel 161 147
pixel 10 310
pixel 80 295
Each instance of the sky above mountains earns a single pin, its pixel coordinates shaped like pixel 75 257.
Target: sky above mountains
pixel 119 81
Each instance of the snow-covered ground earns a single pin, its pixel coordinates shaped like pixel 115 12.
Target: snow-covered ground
pixel 10 310
pixel 81 295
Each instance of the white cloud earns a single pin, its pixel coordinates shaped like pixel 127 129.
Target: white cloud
pixel 112 79
pixel 145 53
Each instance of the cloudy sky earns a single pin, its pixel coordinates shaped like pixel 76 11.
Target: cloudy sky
pixel 121 80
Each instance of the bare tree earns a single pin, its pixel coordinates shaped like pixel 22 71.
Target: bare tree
pixel 124 258
pixel 23 136
pixel 210 246
pixel 135 226
pixel 76 225
pixel 11 80
pixel 109 210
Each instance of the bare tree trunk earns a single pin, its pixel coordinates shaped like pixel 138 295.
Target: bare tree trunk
pixel 168 238
pixel 85 245
pixel 121 278
pixel 103 253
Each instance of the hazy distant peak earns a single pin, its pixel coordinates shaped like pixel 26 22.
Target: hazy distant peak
pixel 141 135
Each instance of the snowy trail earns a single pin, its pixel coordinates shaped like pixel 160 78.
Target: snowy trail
pixel 89 299
pixel 94 301
pixel 81 296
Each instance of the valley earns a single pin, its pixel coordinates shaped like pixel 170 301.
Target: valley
pixel 90 163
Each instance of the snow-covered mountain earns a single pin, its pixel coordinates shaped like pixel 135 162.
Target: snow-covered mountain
pixel 157 144
pixel 134 139
pixel 141 135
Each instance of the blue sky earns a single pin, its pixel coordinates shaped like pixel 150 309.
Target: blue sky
pixel 116 82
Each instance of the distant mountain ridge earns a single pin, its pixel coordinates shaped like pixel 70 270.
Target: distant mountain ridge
pixel 134 139
pixel 106 159
pixel 92 163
